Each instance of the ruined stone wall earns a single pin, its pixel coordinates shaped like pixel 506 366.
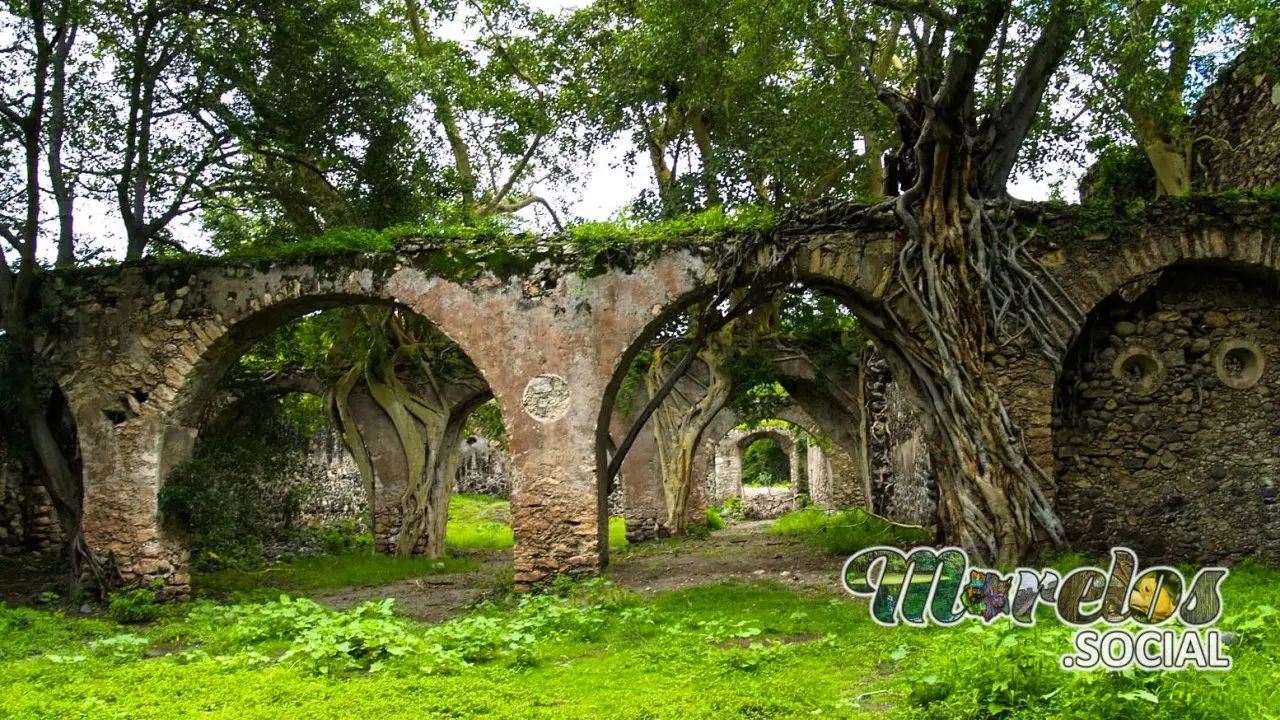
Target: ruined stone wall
pixel 902 484
pixel 1166 424
pixel 724 477
pixel 1237 126
pixel 28 522
pixel 483 470
pixel 336 490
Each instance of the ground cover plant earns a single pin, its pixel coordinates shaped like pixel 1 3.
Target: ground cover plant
pixel 756 650
pixel 844 533
pixel 477 523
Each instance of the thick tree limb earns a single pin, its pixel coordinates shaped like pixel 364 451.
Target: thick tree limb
pixel 1005 131
pixel 980 19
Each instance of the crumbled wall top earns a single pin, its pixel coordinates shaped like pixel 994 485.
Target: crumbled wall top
pixel 1237 126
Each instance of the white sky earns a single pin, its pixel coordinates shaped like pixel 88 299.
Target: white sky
pixel 605 185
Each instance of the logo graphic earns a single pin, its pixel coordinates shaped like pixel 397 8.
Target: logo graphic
pixel 938 586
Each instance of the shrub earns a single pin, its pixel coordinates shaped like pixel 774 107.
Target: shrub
pixel 714 521
pixel 845 533
pixel 343 537
pixel 733 508
pixel 224 495
pixel 135 605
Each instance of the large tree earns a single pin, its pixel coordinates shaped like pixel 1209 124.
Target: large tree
pixel 34 106
pixel 965 283
pixel 1148 61
pixel 737 102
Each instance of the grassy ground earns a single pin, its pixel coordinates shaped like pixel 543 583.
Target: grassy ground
pixel 476 523
pixel 741 649
pixel 484 522
pixel 479 522
pixel 755 650
pixel 845 533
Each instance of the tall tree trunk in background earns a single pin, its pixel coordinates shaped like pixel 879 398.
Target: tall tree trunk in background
pixel 679 424
pixel 58 181
pixel 706 150
pixel 1160 132
pixel 875 143
pixel 445 115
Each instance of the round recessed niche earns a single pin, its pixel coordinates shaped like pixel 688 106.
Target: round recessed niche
pixel 1239 363
pixel 546 398
pixel 1140 370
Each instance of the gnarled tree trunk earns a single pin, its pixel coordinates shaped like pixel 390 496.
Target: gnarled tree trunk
pixel 972 285
pixel 679 424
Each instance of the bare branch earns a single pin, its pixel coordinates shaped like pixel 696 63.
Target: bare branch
pixel 516 172
pixel 526 202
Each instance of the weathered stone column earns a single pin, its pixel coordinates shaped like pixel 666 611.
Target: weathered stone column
pixel 819 474
pixel 124 469
pixel 793 458
pixel 644 506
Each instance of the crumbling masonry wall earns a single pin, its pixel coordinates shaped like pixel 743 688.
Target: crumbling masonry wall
pixel 138 349
pixel 1237 126
pixel 28 522
pixel 1167 422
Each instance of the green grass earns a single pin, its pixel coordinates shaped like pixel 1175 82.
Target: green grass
pixel 724 651
pixel 845 533
pixel 476 522
pixel 327 572
pixel 479 522
pixel 482 522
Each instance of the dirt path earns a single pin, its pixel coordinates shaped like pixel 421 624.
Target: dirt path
pixel 747 551
pixel 434 598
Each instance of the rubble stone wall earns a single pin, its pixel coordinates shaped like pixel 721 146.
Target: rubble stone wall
pixel 1237 126
pixel 1167 423
pixel 28 521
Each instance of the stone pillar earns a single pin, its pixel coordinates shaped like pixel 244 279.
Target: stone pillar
pixel 730 471
pixel 644 506
pixel 556 514
pixel 124 466
pixel 819 473
pixel 846 480
pixel 794 469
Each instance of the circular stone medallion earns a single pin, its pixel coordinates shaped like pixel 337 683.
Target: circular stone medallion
pixel 546 398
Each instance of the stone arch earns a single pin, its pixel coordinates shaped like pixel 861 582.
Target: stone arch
pixel 191 371
pixel 552 327
pixel 1092 273
pixel 1157 447
pixel 855 267
pixel 729 452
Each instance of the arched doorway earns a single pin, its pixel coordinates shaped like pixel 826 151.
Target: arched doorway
pixel 1165 422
